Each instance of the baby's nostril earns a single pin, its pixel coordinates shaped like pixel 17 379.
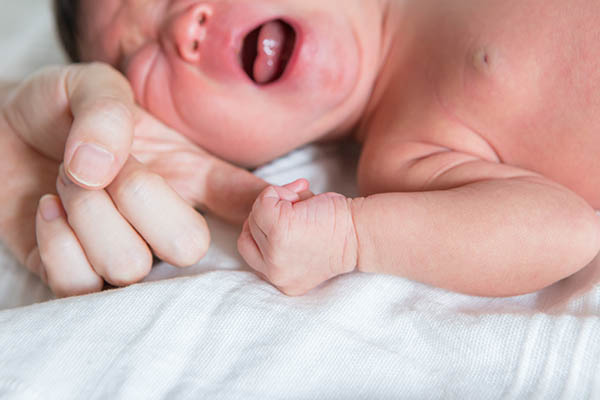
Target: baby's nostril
pixel 196 45
pixel 202 19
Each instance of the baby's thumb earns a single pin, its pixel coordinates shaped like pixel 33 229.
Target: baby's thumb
pixel 298 186
pixel 301 188
pixel 290 192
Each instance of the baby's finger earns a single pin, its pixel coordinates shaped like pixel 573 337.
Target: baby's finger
pixel 258 234
pixel 62 262
pixel 249 250
pixel 298 186
pixel 176 232
pixel 273 195
pixel 114 249
pixel 268 206
pixel 305 195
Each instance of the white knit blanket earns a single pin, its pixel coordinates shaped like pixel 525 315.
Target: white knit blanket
pixel 219 332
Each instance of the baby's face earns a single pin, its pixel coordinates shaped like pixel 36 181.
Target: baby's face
pixel 248 80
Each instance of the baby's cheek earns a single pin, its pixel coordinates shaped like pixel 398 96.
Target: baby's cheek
pixel 139 68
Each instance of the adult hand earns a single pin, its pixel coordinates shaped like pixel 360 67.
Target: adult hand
pixel 114 183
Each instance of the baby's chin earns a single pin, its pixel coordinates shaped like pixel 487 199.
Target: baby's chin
pixel 251 149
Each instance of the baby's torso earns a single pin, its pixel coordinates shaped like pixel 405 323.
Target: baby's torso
pixel 520 78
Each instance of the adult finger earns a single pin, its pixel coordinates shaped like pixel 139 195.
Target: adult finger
pixel 176 232
pixel 100 139
pixel 63 263
pixel 115 250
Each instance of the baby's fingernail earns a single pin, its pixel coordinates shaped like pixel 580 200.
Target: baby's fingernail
pixel 91 164
pixel 50 208
pixel 298 185
pixel 271 193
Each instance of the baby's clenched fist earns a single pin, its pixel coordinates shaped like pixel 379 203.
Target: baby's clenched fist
pixel 297 244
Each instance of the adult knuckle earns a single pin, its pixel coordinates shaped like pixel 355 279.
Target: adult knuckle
pixel 81 203
pixel 110 108
pixel 187 249
pixel 129 267
pixel 54 248
pixel 100 67
pixel 138 185
pixel 106 70
pixel 114 85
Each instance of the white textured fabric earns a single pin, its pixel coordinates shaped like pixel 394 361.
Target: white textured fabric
pixel 218 332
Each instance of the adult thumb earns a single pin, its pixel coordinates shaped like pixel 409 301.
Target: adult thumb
pixel 99 141
pixel 81 114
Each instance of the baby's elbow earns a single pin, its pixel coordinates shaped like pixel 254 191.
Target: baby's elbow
pixel 572 244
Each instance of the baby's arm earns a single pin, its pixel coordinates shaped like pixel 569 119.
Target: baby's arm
pixel 449 220
pixel 471 225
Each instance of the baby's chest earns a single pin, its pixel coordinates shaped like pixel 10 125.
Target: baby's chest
pixel 524 74
pixel 516 81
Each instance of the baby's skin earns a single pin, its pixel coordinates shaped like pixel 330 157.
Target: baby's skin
pixel 479 161
pixel 478 122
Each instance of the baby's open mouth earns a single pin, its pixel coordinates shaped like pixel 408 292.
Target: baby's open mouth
pixel 267 51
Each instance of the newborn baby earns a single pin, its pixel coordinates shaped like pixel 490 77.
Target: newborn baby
pixel 479 124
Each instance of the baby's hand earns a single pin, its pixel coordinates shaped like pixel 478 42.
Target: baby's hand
pixel 298 244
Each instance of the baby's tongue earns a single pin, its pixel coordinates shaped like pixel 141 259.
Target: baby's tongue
pixel 271 42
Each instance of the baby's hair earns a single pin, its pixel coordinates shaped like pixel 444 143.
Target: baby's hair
pixel 65 14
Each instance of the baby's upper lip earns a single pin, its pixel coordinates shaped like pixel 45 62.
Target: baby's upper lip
pixel 226 42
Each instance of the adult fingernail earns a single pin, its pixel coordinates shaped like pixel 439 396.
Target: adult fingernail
pixel 91 165
pixel 50 208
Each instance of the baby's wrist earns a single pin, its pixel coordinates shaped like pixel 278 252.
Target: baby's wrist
pixel 357 207
pixel 352 248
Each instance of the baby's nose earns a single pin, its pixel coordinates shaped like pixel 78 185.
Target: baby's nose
pixel 188 30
